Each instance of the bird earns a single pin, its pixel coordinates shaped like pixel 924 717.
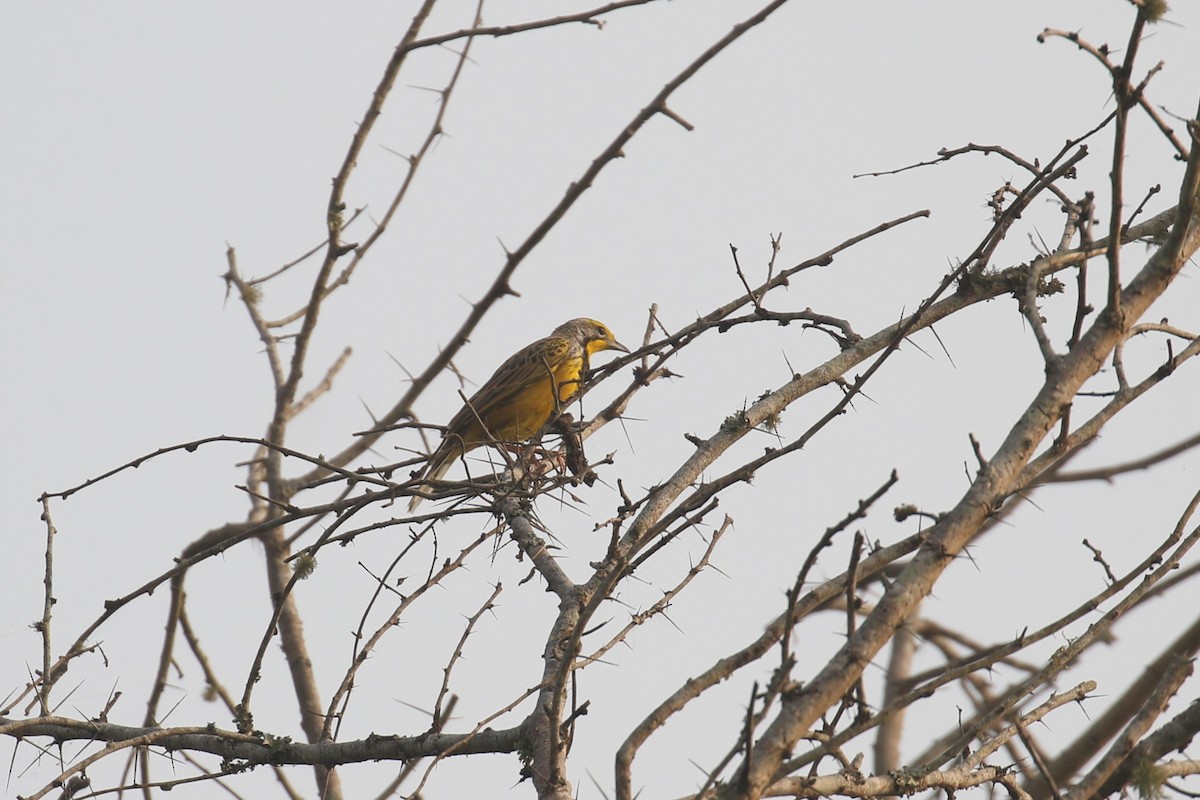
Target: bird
pixel 523 395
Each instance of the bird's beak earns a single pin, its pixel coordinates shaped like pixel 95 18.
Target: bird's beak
pixel 613 344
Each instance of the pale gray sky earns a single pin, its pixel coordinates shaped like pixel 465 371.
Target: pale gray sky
pixel 141 139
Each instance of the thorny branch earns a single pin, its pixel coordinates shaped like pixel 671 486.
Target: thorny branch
pixel 877 597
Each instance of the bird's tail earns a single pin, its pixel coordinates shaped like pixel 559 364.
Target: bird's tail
pixel 439 465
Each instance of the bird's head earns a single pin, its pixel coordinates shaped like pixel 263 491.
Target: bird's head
pixel 594 335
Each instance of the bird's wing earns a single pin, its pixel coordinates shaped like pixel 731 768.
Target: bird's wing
pixel 527 367
pixel 522 370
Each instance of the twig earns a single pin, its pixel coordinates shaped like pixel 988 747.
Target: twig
pixel 1098 557
pixel 723 668
pixel 192 446
pixel 661 605
pixel 750 294
pixel 1177 672
pixel 250 297
pixel 588 17
pixel 46 682
pixel 439 719
pixel 337 705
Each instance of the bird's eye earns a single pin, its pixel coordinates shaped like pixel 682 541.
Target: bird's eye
pixel 600 330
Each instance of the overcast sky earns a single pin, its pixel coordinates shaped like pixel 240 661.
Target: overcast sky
pixel 140 140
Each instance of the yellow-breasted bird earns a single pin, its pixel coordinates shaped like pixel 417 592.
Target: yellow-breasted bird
pixel 523 395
